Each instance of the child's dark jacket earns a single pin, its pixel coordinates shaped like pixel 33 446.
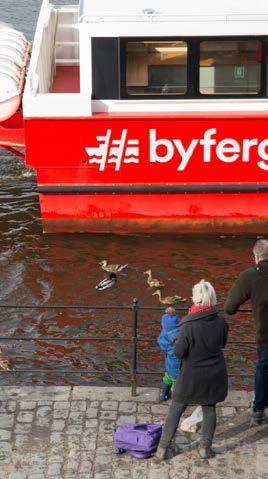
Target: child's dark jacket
pixel 170 330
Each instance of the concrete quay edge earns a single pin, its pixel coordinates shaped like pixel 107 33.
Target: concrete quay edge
pixel 235 398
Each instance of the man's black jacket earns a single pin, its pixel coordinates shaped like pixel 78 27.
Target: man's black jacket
pixel 252 284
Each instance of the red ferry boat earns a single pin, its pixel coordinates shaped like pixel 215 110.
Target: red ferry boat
pixel 148 116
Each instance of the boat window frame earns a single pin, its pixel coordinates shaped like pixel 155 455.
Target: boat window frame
pixel 193 68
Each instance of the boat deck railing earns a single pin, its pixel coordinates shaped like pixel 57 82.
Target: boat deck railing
pixel 135 339
pixel 151 16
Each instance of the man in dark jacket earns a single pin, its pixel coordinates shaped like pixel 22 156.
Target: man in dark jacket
pixel 253 284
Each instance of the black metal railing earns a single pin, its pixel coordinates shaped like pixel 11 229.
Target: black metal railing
pixel 134 340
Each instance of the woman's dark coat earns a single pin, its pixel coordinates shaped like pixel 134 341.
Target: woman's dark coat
pixel 203 378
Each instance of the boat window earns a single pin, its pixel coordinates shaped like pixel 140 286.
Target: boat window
pixel 230 67
pixel 156 68
pixel 105 71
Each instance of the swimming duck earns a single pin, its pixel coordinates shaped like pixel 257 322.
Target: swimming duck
pixel 153 282
pixel 112 268
pixel 5 362
pixel 168 299
pixel 107 282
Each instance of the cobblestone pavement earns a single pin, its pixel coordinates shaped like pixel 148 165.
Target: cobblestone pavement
pixel 59 432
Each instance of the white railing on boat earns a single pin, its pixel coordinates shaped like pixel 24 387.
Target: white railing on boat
pixel 46 44
pixel 42 59
pixel 156 17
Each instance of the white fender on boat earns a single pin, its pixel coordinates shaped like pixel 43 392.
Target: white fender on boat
pixel 14 55
pixel 10 68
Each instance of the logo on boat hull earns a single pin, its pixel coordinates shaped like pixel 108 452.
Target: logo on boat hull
pixel 125 150
pixel 114 151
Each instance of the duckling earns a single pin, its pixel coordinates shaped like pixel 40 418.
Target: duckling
pixel 107 282
pixel 168 299
pixel 112 268
pixel 5 362
pixel 153 282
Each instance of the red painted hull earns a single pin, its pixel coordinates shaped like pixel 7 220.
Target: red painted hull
pixel 228 153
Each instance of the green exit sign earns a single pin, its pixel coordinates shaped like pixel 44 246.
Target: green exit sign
pixel 239 72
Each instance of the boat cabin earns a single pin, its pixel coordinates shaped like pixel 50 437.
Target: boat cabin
pixel 148 56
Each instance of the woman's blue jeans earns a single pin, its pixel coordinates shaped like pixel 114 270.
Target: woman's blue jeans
pixel 261 380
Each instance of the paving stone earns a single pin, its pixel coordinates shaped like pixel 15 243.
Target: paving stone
pixel 62 405
pixel 25 416
pixel 123 474
pixel 43 411
pixel 92 412
pixel 54 469
pixel 106 427
pixel 104 440
pixel 76 417
pixel 5 447
pixel 91 423
pixel 6 420
pixel 21 440
pixel 127 407
pixel 159 471
pixel 143 418
pixel 226 411
pixel 78 405
pixel 103 451
pixel 60 413
pixel 11 406
pixel 140 469
pixel 3 406
pixel 122 419
pixel 56 437
pixel 144 408
pixel 160 409
pixel 71 467
pixel 57 425
pixel 54 458
pixel 87 456
pixel 109 405
pixel 22 428
pixel 85 467
pixel 27 404
pixel 112 415
pixel 76 429
pixel 18 475
pixel 102 475
pixel 4 435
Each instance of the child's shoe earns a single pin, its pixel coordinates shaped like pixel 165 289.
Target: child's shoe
pixel 165 393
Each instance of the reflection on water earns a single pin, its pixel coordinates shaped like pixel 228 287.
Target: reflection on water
pixel 37 269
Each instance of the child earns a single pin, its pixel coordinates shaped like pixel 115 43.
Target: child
pixel 170 330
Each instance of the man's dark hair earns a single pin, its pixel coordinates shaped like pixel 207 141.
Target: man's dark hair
pixel 261 248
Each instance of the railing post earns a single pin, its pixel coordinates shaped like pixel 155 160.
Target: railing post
pixel 135 307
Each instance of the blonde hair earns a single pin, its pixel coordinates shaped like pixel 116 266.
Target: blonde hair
pixel 204 294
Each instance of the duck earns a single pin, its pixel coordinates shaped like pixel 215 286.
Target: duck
pixel 107 282
pixel 112 268
pixel 153 282
pixel 5 362
pixel 168 299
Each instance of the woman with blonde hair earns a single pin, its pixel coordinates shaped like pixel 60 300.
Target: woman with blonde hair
pixel 203 377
